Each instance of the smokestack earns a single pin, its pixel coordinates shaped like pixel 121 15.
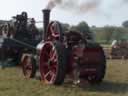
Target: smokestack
pixel 46 19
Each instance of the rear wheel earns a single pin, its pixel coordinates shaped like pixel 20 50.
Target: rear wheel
pixel 52 63
pixel 100 70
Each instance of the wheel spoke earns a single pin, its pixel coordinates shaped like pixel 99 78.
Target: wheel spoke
pixel 53 57
pixel 52 77
pixel 29 67
pixel 47 74
pixel 55 30
pixel 54 66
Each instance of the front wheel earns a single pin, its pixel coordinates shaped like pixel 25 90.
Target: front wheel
pixel 28 64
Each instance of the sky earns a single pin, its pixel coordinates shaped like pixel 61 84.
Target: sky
pixel 107 12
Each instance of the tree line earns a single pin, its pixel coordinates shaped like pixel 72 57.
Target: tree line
pixel 105 34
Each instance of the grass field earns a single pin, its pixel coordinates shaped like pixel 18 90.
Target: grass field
pixel 12 83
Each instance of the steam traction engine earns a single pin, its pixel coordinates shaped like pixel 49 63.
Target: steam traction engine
pixel 60 54
pixel 18 36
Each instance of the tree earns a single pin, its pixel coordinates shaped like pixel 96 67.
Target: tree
pixel 125 24
pixel 108 33
pixel 65 27
pixel 119 33
pixel 84 29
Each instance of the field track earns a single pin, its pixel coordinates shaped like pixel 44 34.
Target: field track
pixel 12 83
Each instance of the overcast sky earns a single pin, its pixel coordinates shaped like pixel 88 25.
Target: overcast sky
pixel 108 12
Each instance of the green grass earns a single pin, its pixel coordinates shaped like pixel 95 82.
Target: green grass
pixel 12 83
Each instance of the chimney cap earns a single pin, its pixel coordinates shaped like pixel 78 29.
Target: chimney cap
pixel 46 10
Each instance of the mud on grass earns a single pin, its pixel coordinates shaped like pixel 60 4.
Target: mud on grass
pixel 12 83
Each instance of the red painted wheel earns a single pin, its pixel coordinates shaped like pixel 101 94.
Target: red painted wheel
pixel 54 31
pixel 52 63
pixel 100 68
pixel 28 66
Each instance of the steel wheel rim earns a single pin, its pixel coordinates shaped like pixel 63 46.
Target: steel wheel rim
pixel 27 66
pixel 54 31
pixel 48 63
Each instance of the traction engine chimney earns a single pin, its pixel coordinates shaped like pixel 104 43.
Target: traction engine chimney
pixel 46 19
